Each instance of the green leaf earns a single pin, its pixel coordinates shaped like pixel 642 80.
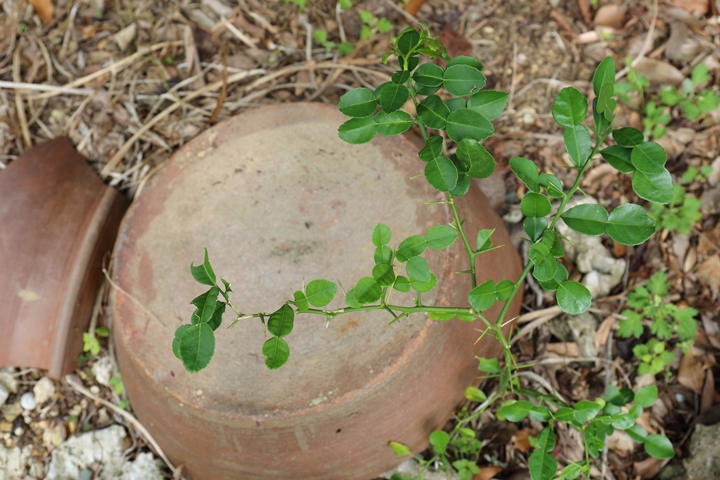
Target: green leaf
pixel 628 137
pixel 483 296
pixel 570 107
pixel 605 103
pixel 542 466
pixel 276 352
pixel 618 157
pixel 429 75
pixel 573 297
pixel 456 103
pixel 399 449
pixel 440 236
pixel 646 396
pixel 301 301
pixel 421 90
pixel 392 96
pixel 560 276
pixel 367 290
pixel 585 410
pixel 417 269
pixel 488 103
pixel 176 340
pixel 468 123
pixel 351 301
pixel 205 304
pixel 402 284
pixel 489 365
pixel 216 318
pixel 637 433
pixel 700 74
pixel 423 287
pixel 534 226
pixel 658 446
pixel 527 172
pixel 483 241
pixel 412 246
pixel 197 346
pixel 381 235
pixel 654 188
pixel 462 80
pixel 622 421
pixel 407 41
pixel 552 185
pixel 462 186
pixel 629 224
pixel 319 293
pixel 578 144
pixel 535 205
pixel 433 112
pixel 432 149
pixel 504 290
pixel 474 394
pixel 384 274
pixel 204 273
pixel 546 439
pixel 601 122
pixel 358 130
pixel 389 124
pixel 550 239
pixel 439 441
pixel 588 219
pixel 465 60
pixel 401 77
pixel 517 411
pixel 669 95
pixel 571 472
pixel 281 321
pixel 649 158
pixel 604 73
pixel 383 254
pixel 441 173
pixel 482 164
pixel 545 264
pixel 358 103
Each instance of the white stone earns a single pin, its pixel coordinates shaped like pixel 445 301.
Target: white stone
pixel 27 401
pixel 44 390
pixel 102 446
pixel 4 394
pixel 103 370
pixel 13 462
pixel 412 468
pixel 603 271
pixel 144 467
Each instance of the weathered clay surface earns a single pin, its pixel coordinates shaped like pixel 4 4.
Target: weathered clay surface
pixel 276 198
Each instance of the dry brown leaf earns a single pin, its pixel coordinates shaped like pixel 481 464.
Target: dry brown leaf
pixel 585 11
pixel 644 421
pixel 649 467
pixel 708 392
pixel 564 349
pixel 619 250
pixel 455 43
pixel 603 332
pixel 486 473
pixel 708 274
pixel 697 7
pixel 562 23
pixel 610 16
pixel 621 443
pixel 691 374
pixel 413 6
pixel 522 439
pixel 44 9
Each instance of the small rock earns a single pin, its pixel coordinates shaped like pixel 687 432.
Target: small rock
pixel 672 471
pixel 412 468
pixel 145 467
pixel 54 435
pixel 44 390
pixel 610 16
pixel 703 462
pixel 101 446
pixel 125 36
pixel 714 177
pixel 14 461
pixel 658 72
pixel 103 370
pixel 4 394
pixel 681 45
pixel 683 135
pixel 27 401
pixel 8 379
pixel 697 7
pixel 11 412
pixel 583 328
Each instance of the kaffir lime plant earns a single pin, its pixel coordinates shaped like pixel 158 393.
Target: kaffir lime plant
pixel 453 100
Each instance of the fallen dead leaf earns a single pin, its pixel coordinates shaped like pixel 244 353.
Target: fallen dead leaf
pixel 697 7
pixel 44 9
pixel 708 273
pixel 486 473
pixel 413 6
pixel 691 373
pixel 603 332
pixel 522 439
pixel 585 11
pixel 649 467
pixel 619 250
pixel 564 349
pixel 455 43
pixel 659 73
pixel 621 443
pixel 610 16
pixel 708 392
pixel 125 36
pixel 644 421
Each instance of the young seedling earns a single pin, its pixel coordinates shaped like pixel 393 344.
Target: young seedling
pixel 453 100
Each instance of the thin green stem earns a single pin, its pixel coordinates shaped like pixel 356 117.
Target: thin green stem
pixel 470 252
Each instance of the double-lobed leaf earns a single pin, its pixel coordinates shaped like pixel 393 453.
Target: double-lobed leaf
pixel 619 157
pixel 544 262
pixel 629 224
pixel 276 351
pixel 281 321
pixel 320 292
pixel 628 137
pixel 203 273
pixel 481 162
pixel 483 296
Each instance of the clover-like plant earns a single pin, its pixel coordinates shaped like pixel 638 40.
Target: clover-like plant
pixel 453 100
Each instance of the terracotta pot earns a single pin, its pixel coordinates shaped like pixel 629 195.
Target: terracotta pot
pixel 58 222
pixel 277 198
